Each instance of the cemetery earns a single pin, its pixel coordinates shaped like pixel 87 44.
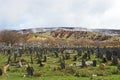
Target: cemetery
pixel 39 62
pixel 56 60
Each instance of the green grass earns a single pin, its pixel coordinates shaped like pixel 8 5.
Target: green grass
pixel 50 71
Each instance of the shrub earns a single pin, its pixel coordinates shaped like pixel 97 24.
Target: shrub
pixel 70 70
pixel 114 71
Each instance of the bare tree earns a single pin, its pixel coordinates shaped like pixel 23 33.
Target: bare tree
pixel 9 37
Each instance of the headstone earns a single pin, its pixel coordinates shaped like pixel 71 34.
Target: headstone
pixel 74 58
pixel 0 71
pixel 8 51
pixel 45 59
pixel 104 60
pixel 79 52
pixel 85 56
pixel 118 67
pixel 20 64
pixel 115 60
pixel 40 62
pixel 15 56
pixel 94 63
pixel 83 63
pixel 5 68
pixel 108 55
pixel 20 51
pixel 62 63
pixel 56 54
pixel 67 56
pixel 9 60
pixel 30 70
pixel 88 54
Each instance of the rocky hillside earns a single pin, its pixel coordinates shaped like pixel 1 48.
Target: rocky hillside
pixel 72 36
pixel 79 35
pixel 111 32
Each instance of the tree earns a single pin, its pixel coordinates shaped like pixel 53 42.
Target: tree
pixel 9 37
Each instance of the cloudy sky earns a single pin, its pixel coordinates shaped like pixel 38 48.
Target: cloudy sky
pixel 20 14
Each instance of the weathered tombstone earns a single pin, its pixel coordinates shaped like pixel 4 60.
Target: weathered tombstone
pixel 79 52
pixel 85 56
pixel 94 63
pixel 115 53
pixel 104 60
pixel 20 63
pixel 92 51
pixel 31 57
pixel 1 72
pixel 45 59
pixel 8 51
pixel 20 51
pixel 88 54
pixel 74 57
pixel 9 59
pixel 40 62
pixel 67 56
pixel 56 54
pixel 5 68
pixel 30 70
pixel 62 63
pixel 115 60
pixel 83 63
pixel 15 56
pixel 118 67
pixel 108 55
pixel 118 51
pixel 97 52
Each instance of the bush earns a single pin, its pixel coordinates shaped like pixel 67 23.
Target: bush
pixel 77 74
pixel 85 73
pixel 100 73
pixel 70 70
pixel 115 71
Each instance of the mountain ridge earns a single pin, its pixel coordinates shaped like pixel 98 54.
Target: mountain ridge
pixel 101 31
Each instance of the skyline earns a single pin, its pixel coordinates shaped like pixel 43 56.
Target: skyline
pixel 24 14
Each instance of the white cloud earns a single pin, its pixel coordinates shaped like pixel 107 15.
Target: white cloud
pixel 17 14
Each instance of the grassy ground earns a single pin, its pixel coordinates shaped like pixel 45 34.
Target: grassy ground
pixel 50 71
pixel 18 77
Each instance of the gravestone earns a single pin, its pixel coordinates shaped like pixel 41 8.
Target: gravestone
pixel 118 67
pixel 94 63
pixel 20 51
pixel 30 70
pixel 104 60
pixel 20 63
pixel 79 52
pixel 83 63
pixel 67 56
pixel 108 55
pixel 85 56
pixel 88 54
pixel 74 57
pixel 115 60
pixel 62 63
pixel 0 71
pixel 45 59
pixel 56 54
pixel 40 62
pixel 15 56
pixel 9 59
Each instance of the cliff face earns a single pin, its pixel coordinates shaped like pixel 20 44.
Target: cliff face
pixel 74 36
pixel 79 35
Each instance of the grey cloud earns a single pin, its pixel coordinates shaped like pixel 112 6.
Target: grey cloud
pixel 18 14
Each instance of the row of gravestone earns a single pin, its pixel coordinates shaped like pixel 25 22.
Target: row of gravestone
pixel 110 53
